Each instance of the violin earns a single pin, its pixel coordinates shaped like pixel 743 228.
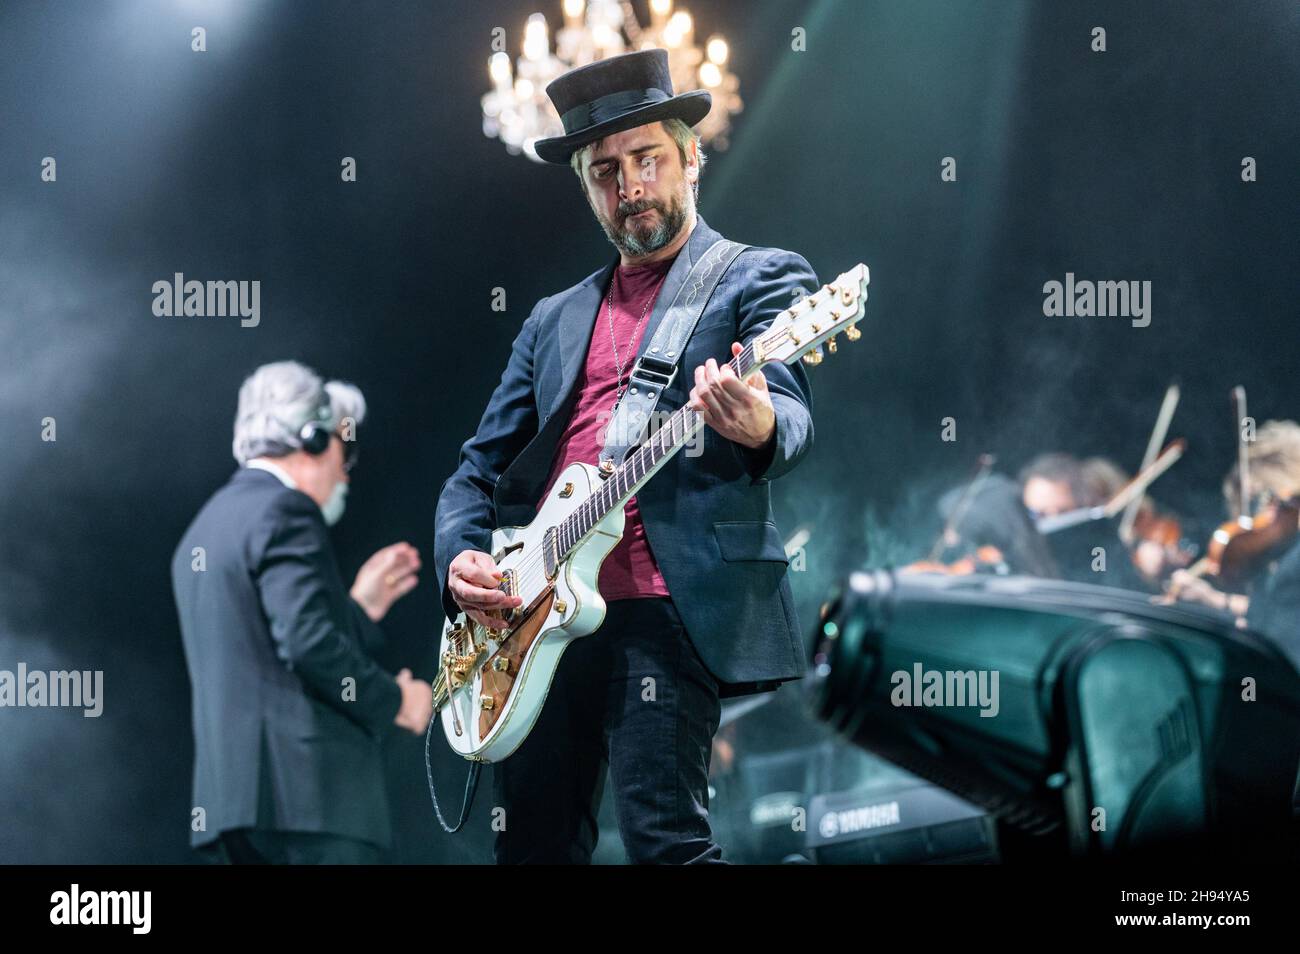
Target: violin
pixel 1241 547
pixel 1157 544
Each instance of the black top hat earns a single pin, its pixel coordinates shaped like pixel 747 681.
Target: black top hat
pixel 615 94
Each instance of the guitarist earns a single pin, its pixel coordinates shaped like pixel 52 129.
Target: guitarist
pixel 699 606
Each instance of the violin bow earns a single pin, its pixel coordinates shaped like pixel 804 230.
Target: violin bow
pixel 1243 458
pixel 1129 492
pixel 1157 440
pixel 986 462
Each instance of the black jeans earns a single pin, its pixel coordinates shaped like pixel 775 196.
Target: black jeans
pixel 634 698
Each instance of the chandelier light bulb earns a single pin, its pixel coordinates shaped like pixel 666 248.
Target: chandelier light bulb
pixel 516 109
pixel 499 69
pixel 536 44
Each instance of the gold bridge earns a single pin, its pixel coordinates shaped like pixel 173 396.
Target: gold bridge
pixel 467 646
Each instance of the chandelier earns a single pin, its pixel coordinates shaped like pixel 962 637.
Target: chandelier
pixel 518 111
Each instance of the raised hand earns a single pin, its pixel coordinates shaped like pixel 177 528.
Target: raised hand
pixel 385 578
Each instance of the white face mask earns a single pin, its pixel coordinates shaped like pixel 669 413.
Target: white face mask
pixel 333 509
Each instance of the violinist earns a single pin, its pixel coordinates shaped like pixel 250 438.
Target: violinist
pixel 996 519
pixel 1052 484
pixel 1256 565
pixel 987 530
pixel 1153 536
pixel 1057 485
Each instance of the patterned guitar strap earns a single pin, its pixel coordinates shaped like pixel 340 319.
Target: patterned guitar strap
pixel 657 366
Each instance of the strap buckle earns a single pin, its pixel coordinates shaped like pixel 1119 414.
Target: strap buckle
pixel 654 371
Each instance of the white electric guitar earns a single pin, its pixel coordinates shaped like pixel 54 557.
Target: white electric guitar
pixel 492 684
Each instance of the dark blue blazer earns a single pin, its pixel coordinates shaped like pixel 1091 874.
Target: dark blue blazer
pixel 270 637
pixel 708 518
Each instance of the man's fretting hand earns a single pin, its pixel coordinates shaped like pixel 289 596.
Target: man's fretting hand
pixel 738 410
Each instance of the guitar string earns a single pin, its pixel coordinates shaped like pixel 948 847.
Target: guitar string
pixel 532 571
pixel 532 565
pixel 527 571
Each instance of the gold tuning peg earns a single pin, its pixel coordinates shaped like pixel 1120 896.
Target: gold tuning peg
pixel 812 357
pixel 852 332
pixel 830 345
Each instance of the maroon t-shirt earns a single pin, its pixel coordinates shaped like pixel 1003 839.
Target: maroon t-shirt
pixel 630 570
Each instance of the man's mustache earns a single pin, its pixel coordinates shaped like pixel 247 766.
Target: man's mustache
pixel 637 207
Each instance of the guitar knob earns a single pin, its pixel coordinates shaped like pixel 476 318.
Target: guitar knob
pixel 830 344
pixel 812 357
pixel 852 333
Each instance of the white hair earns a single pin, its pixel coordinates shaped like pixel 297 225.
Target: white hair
pixel 277 399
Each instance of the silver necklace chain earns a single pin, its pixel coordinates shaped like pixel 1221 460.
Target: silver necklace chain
pixel 609 313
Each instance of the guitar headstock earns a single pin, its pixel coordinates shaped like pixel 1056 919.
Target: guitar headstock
pixel 796 332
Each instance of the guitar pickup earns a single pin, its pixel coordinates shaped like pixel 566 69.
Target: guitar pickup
pixel 507 586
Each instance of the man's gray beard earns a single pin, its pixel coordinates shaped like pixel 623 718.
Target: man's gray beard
pixel 671 221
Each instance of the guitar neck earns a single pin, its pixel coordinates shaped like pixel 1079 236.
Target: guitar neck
pixel 641 464
pixel 793 335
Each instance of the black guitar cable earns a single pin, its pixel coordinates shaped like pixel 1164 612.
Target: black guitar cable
pixel 471 783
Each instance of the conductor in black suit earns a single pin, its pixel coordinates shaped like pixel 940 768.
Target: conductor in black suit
pixel 289 706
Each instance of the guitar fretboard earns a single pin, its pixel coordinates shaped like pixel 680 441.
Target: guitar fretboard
pixel 638 466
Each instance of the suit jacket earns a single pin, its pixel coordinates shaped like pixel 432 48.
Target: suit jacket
pixel 708 518
pixel 270 636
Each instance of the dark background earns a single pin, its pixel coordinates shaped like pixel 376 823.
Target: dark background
pixel 225 165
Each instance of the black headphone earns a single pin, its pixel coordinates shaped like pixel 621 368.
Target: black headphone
pixel 314 436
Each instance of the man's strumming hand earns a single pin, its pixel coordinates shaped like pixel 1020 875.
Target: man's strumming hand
pixel 472 579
